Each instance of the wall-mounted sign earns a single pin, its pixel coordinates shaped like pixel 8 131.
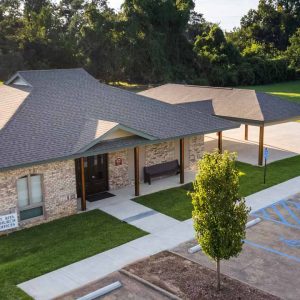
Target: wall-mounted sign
pixel 118 161
pixel 9 221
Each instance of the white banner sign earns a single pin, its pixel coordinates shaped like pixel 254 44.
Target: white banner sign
pixel 9 221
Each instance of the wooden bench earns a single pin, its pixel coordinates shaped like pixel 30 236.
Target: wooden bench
pixel 167 168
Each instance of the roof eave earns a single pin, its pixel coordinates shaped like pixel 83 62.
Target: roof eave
pixel 91 153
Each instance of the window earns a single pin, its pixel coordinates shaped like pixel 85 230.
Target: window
pixel 30 196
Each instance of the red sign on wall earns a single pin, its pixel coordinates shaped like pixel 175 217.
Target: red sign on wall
pixel 118 161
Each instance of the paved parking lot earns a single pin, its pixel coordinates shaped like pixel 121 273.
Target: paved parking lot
pixel 270 259
pixel 131 289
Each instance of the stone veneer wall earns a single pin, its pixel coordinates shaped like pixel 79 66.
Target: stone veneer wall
pixel 196 150
pixel 118 175
pixel 59 190
pixel 159 153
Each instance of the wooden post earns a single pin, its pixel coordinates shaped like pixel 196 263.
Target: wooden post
pixel 181 161
pixel 83 195
pixel 220 143
pixel 136 172
pixel 261 145
pixel 246 132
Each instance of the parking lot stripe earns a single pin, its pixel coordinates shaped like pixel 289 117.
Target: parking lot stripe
pixel 286 207
pixel 296 204
pixel 275 221
pixel 278 213
pixel 297 259
pixel 263 213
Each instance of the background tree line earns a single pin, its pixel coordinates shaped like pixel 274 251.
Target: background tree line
pixel 150 41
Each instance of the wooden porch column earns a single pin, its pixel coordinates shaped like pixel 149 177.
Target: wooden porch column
pixel 261 145
pixel 181 161
pixel 136 172
pixel 83 195
pixel 246 132
pixel 220 143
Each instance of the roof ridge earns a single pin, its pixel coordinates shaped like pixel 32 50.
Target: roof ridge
pixel 203 86
pixel 49 70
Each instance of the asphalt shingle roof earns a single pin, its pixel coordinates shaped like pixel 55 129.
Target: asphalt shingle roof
pixel 61 114
pixel 239 104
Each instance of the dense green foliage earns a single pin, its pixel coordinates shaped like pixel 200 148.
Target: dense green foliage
pixel 32 252
pixel 150 41
pixel 220 213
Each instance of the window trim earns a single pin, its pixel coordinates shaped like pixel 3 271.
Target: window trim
pixel 32 205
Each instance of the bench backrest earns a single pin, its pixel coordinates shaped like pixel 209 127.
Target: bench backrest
pixel 169 166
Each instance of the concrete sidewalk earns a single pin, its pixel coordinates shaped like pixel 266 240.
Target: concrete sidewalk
pixel 273 194
pixel 86 271
pixel 165 233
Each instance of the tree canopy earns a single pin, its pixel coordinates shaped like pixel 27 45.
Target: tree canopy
pixel 149 41
pixel 220 214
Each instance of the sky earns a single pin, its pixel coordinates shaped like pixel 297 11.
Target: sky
pixel 225 12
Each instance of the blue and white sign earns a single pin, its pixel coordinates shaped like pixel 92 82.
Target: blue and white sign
pixel 266 153
pixel 9 221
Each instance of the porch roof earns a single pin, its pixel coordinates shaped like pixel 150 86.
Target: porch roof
pixel 242 105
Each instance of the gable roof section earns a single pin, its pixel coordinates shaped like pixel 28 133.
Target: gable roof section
pixel 10 100
pixel 239 104
pixel 67 110
pixel 104 129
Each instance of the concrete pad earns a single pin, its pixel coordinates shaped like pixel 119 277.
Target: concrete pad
pixel 283 141
pixel 155 223
pixel 177 233
pixel 124 209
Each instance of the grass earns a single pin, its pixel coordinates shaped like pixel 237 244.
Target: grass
pixel 172 202
pixel 132 87
pixel 38 250
pixel 177 204
pixel 288 90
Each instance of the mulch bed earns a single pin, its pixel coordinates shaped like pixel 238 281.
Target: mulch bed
pixel 189 280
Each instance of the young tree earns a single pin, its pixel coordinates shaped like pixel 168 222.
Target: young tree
pixel 220 213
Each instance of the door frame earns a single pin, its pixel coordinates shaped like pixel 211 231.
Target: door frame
pixel 78 173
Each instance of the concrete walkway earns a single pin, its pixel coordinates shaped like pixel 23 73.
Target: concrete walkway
pixel 165 233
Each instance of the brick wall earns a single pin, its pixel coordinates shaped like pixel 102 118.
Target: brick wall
pixel 59 190
pixel 159 153
pixel 118 175
pixel 195 151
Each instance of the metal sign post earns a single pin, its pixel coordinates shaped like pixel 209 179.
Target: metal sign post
pixel 266 156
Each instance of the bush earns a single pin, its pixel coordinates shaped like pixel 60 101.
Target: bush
pixel 246 74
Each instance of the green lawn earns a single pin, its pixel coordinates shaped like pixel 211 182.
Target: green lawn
pixel 32 252
pixel 177 204
pixel 288 90
pixel 172 202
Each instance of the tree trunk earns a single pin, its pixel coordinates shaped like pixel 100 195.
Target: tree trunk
pixel 218 276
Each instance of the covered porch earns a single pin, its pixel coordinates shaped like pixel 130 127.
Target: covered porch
pixel 120 171
pixel 124 195
pixel 282 141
